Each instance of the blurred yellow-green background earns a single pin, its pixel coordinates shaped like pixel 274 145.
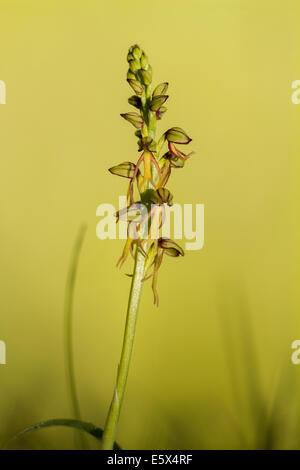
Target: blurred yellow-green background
pixel 211 367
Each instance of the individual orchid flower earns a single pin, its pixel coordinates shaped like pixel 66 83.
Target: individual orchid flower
pixel 156 252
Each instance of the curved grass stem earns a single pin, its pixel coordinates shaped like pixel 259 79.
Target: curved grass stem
pixel 68 327
pixel 110 428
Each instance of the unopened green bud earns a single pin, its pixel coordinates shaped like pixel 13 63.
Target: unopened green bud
pixel 136 52
pixel 177 135
pixel 144 61
pixel 170 247
pixel 146 76
pixel 134 65
pixel 157 102
pixel 125 169
pixel 135 101
pixel 131 75
pixel 161 196
pixel 136 86
pixel 135 119
pixel 165 196
pixel 161 89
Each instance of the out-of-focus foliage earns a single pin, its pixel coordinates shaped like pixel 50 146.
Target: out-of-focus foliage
pixel 216 373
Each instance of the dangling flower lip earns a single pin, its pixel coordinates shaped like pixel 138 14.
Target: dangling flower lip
pixel 175 152
pixel 156 253
pixel 176 156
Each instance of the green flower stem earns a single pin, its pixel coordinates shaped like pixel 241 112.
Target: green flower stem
pixel 110 428
pixel 109 433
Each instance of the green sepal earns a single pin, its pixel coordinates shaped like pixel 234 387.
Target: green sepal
pixel 144 61
pixel 134 118
pixel 130 56
pixel 130 75
pixel 134 65
pixel 136 52
pixel 165 196
pixel 125 169
pixel 160 112
pixel 161 89
pixel 177 135
pixel 146 76
pixel 170 247
pixel 157 196
pixel 135 85
pixel 157 102
pixel 135 101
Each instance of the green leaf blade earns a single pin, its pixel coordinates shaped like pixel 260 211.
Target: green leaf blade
pixel 84 426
